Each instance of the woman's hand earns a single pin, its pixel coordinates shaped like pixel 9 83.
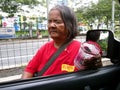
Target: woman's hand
pixel 94 62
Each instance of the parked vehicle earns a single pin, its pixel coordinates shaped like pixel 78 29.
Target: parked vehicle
pixel 104 78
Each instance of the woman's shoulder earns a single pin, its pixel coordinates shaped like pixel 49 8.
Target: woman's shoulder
pixel 75 43
pixel 47 45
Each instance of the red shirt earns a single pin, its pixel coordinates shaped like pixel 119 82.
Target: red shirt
pixel 63 63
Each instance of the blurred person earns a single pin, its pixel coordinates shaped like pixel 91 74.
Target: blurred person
pixel 38 33
pixel 92 38
pixel 62 28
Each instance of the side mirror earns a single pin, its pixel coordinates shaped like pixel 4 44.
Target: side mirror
pixel 110 46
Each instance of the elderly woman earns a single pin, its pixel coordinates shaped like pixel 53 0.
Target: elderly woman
pixel 62 28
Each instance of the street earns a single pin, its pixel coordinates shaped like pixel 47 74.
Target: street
pixel 18 53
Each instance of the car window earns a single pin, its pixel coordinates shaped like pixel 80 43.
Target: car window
pixel 19 40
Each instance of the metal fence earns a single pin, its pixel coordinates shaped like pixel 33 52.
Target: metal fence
pixel 14 53
pixel 18 52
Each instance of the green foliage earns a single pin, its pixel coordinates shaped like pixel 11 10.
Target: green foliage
pixel 12 6
pixel 24 18
pixel 103 44
pixel 101 11
pixel 28 2
pixel 24 33
pixel 117 33
pixel 8 6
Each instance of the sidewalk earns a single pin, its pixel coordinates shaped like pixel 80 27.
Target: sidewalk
pixel 15 77
pixel 11 74
pixel 10 78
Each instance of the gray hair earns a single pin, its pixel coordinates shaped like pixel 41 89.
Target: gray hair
pixel 69 19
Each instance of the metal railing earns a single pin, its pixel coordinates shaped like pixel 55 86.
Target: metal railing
pixel 18 52
pixel 14 53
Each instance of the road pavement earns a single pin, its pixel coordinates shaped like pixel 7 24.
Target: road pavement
pixel 10 78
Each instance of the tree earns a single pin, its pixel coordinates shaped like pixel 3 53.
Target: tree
pixel 12 6
pixel 101 11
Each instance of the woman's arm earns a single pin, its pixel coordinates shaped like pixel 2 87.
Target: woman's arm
pixel 26 75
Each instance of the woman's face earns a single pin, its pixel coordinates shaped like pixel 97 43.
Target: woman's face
pixel 56 26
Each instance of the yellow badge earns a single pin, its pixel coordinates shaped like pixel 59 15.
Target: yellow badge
pixel 68 68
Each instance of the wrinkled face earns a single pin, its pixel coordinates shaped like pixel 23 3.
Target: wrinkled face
pixel 56 26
